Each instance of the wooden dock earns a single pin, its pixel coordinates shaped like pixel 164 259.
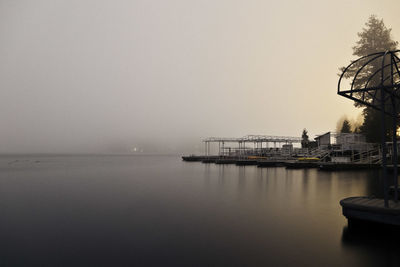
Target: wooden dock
pixel 300 164
pixel 225 161
pixel 371 210
pixel 192 158
pixel 209 160
pixel 244 162
pixel 204 159
pixel 288 163
pixel 270 163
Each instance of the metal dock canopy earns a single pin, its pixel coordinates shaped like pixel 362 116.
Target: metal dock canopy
pixel 255 139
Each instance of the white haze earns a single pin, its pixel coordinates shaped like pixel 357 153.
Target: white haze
pixel 111 76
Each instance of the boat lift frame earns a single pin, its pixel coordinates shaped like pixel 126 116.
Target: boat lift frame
pixel 257 140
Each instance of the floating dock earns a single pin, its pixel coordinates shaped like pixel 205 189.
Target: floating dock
pixel 300 165
pixel 289 164
pixel 270 163
pixel 244 162
pixel 371 209
pixel 204 159
pixel 225 161
pixel 209 159
pixel 193 158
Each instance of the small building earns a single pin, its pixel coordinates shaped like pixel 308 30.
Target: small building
pixel 323 140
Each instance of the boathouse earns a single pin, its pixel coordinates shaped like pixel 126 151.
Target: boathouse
pixel 323 140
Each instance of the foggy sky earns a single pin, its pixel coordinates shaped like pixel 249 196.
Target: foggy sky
pixel 108 76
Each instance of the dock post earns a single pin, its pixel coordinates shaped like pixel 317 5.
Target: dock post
pixel 383 136
pixel 395 157
pixel 394 113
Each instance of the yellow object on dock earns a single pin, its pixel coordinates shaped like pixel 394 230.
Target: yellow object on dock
pixel 308 159
pixel 256 157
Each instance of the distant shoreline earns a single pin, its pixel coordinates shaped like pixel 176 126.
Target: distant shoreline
pixel 84 154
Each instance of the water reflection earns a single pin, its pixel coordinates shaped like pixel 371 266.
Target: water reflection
pixel 242 177
pixel 121 209
pixel 259 184
pixel 221 176
pixel 207 176
pixel 373 245
pixel 307 186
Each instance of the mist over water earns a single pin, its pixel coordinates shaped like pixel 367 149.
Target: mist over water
pixel 97 99
pixel 108 77
pixel 158 210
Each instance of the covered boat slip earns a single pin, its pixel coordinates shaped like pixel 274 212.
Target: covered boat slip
pixel 371 209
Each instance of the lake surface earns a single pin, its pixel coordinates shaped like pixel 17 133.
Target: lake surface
pixel 161 211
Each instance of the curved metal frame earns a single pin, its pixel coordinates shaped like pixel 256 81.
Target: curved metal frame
pixel 366 94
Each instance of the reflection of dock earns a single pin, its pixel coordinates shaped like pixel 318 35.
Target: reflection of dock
pixel 332 166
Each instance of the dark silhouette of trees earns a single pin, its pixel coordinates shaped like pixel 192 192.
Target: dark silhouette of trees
pixel 375 37
pixel 304 139
pixel 346 128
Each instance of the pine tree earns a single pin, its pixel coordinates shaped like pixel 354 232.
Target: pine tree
pixel 346 128
pixel 375 37
pixel 304 139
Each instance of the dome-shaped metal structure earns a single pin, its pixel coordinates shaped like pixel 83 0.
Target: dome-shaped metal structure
pixel 374 81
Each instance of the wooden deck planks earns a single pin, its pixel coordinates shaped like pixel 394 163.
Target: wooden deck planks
pixel 371 204
pixel 371 209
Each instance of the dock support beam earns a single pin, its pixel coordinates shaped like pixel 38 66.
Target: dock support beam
pixel 383 136
pixel 394 112
pixel 395 158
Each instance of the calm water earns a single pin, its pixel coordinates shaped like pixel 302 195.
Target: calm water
pixel 158 210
